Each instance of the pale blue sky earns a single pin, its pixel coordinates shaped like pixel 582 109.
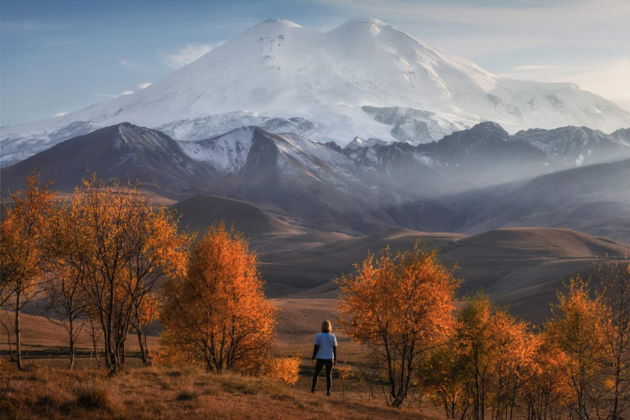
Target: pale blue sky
pixel 58 56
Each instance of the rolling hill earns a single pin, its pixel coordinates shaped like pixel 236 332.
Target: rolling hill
pixel 519 267
pixel 200 211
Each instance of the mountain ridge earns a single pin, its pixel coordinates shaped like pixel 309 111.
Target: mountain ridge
pixel 451 184
pixel 374 80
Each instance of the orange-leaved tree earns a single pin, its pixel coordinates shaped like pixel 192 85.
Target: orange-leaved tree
pixel 144 314
pixel 443 376
pixel 66 302
pixel 483 369
pixel 216 314
pixel 401 305
pixel 545 393
pixel 131 247
pixel 578 330
pixel 614 293
pixel 22 230
pixel 497 351
pixel 69 266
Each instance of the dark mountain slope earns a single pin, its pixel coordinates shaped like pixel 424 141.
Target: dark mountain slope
pixel 121 151
pixel 200 211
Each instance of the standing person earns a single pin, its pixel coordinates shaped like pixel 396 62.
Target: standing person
pixel 324 354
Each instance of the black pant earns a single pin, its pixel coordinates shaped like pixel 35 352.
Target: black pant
pixel 318 368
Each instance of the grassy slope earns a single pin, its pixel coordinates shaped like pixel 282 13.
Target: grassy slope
pixel 50 393
pixel 298 321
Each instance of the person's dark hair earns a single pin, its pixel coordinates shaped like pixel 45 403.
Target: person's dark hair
pixel 326 326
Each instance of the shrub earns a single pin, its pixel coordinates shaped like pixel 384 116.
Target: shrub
pixel 93 397
pixel 46 404
pixel 186 395
pixel 9 406
pixel 283 369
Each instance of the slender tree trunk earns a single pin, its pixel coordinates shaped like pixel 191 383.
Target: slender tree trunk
pixel 18 332
pixel 71 342
pixel 615 410
pixel 110 342
pixel 72 356
pixel 143 348
pixel 7 328
pixel 147 352
pixel 94 345
pixel 121 349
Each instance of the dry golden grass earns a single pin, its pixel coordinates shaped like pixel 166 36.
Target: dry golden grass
pixel 152 393
pixel 39 334
pixel 298 322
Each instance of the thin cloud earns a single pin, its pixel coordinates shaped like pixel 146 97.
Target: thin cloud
pixel 500 15
pixel 61 114
pixel 128 64
pixel 105 95
pixel 187 54
pixel 610 79
pixel 466 28
pixel 535 67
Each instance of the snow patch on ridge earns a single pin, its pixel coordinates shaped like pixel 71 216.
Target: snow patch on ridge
pixel 227 153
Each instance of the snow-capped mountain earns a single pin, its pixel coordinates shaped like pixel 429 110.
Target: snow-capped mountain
pixel 577 144
pixel 364 78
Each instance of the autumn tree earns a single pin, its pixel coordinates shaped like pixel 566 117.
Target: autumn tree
pixel 216 314
pixel 614 294
pixel 512 346
pixel 145 312
pixel 545 392
pixel 442 373
pixel 401 305
pixel 131 246
pixel 578 329
pixel 22 230
pixel 483 368
pixel 66 306
pixel 68 265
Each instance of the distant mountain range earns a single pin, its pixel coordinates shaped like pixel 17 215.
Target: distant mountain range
pixel 470 181
pixel 363 79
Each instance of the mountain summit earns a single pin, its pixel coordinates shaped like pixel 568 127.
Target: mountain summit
pixel 364 78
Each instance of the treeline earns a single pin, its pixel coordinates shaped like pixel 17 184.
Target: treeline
pixel 477 361
pixel 108 261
